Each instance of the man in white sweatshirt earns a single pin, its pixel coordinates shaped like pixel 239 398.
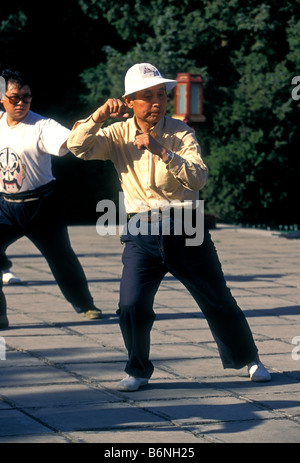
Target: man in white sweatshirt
pixel 28 203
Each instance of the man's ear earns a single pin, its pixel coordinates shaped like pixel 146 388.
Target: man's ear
pixel 128 101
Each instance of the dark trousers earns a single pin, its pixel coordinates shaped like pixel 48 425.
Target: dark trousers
pixel 42 222
pixel 146 261
pixel 5 263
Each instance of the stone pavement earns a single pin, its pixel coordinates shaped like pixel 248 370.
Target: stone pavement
pixel 57 381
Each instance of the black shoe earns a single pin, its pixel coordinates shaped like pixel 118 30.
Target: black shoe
pixel 91 314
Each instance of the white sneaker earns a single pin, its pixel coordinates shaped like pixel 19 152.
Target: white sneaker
pixel 131 383
pixel 258 372
pixel 9 278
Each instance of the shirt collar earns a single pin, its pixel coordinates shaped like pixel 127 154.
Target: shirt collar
pixel 157 130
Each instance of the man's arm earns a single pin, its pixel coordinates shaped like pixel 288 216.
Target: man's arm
pixel 112 108
pixel 146 141
pixel 83 141
pixel 184 163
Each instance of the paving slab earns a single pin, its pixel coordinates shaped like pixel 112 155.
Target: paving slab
pixel 58 379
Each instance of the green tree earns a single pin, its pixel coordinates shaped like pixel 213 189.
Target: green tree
pixel 147 31
pixel 11 28
pixel 254 149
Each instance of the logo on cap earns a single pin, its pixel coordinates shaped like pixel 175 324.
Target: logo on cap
pixel 154 71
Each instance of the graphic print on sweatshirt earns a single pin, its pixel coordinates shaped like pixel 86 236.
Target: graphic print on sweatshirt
pixel 12 171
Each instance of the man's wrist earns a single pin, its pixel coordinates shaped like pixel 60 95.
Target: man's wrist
pixel 168 157
pixel 97 121
pixel 98 117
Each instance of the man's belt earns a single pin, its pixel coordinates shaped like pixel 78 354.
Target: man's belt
pixel 157 214
pixel 148 215
pixel 31 195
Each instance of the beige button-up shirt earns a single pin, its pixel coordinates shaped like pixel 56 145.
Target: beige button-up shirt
pixel 146 180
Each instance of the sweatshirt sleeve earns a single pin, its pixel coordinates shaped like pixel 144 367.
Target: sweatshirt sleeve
pixel 52 138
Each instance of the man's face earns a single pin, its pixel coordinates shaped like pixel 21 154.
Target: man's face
pixel 17 111
pixel 149 105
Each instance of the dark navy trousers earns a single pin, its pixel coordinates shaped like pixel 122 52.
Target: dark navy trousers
pixel 42 222
pixel 146 260
pixel 5 263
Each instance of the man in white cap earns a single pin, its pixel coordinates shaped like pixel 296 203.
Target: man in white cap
pixel 159 162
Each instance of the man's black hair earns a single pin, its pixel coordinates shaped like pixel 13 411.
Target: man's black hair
pixel 15 77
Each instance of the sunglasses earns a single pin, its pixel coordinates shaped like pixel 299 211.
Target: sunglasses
pixel 16 99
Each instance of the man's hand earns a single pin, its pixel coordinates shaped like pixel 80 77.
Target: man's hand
pixel 112 108
pixel 146 141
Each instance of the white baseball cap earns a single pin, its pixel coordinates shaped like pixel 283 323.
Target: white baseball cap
pixel 144 75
